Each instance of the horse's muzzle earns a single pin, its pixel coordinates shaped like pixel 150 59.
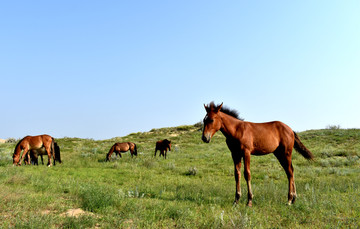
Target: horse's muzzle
pixel 206 138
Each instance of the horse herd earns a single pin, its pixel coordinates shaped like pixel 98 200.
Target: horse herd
pixel 35 146
pixel 242 138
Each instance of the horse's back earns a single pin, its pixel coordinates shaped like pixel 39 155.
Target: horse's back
pixel 160 144
pixel 38 138
pixel 32 142
pixel 122 147
pixel 266 137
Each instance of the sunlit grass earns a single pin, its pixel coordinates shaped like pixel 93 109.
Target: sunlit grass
pixel 194 187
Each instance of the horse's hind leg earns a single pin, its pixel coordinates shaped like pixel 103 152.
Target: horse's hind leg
pixel 284 158
pixel 49 155
pixel 27 159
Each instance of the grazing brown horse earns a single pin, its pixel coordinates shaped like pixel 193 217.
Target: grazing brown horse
pixel 246 138
pixel 122 147
pixel 34 143
pixel 34 153
pixel 163 146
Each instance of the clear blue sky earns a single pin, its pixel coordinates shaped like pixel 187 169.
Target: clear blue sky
pixel 101 69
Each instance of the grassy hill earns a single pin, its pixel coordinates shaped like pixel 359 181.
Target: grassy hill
pixel 194 187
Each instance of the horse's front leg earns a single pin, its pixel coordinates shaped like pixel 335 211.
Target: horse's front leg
pixel 248 176
pixel 237 172
pixel 26 150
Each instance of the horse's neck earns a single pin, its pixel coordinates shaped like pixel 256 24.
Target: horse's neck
pixel 229 125
pixel 19 147
pixel 17 150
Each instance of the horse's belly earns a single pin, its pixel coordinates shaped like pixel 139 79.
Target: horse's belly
pixel 261 152
pixel 262 149
pixel 40 151
pixel 36 146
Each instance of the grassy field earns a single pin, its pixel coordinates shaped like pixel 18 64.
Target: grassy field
pixel 193 188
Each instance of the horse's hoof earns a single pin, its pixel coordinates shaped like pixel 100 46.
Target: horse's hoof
pixel 249 204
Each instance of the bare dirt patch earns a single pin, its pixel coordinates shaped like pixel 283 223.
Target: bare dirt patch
pixel 76 212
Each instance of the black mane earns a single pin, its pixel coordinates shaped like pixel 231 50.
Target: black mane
pixel 232 112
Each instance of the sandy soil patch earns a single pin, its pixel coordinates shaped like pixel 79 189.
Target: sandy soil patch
pixel 76 212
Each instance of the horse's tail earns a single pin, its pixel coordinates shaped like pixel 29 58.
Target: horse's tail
pixel 52 149
pixel 52 146
pixel 108 155
pixel 299 146
pixel 57 152
pixel 135 149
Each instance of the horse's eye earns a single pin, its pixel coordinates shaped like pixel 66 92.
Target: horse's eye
pixel 208 120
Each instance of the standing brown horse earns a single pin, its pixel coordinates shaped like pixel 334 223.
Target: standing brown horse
pixel 35 153
pixel 246 138
pixel 163 146
pixel 122 147
pixel 34 143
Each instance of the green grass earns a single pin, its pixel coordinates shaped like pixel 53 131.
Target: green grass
pixel 194 187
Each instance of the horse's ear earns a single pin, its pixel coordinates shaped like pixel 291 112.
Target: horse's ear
pixel 218 108
pixel 206 108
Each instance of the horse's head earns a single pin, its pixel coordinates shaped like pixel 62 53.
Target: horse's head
pixel 212 121
pixel 16 159
pixel 17 154
pixel 167 144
